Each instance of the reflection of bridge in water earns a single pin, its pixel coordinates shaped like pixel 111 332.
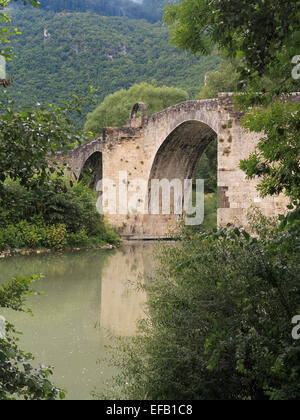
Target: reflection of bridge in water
pixel 122 301
pixel 168 145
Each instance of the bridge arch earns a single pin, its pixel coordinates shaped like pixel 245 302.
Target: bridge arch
pixel 180 152
pixel 79 160
pixel 180 134
pixel 160 125
pixel 92 170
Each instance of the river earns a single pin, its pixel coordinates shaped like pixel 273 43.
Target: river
pixel 85 299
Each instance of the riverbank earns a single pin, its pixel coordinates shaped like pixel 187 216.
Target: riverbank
pixel 12 253
pixel 55 216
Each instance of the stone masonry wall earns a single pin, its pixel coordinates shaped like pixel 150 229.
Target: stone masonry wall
pixel 169 144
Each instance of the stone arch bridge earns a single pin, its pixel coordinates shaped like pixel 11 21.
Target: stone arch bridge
pixel 168 145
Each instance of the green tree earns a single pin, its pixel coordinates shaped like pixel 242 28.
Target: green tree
pixel 115 109
pixel 224 79
pixel 5 29
pixel 29 135
pixel 264 34
pixel 276 159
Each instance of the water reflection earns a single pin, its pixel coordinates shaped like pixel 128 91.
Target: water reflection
pixel 88 297
pixel 122 298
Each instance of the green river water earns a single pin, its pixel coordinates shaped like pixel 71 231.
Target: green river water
pixel 89 297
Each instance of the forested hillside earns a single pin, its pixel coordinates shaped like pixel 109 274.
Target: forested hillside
pixel 150 10
pixel 60 54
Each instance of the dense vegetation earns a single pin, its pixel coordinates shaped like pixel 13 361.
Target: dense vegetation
pixel 224 79
pixel 54 215
pixel 39 205
pixel 150 10
pixel 264 36
pixel 36 208
pixel 84 49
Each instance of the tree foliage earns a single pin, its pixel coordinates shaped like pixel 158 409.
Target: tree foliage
pixel 115 109
pixel 276 159
pixel 151 10
pixel 29 135
pixel 224 79
pixel 264 34
pixel 54 215
pixel 5 29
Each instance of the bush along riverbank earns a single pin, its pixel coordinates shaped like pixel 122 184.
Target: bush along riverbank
pixel 60 214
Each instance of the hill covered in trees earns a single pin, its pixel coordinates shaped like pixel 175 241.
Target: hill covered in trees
pixel 61 54
pixel 150 10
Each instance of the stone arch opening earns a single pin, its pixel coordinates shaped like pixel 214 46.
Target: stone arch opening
pixel 179 155
pixel 138 115
pixel 92 170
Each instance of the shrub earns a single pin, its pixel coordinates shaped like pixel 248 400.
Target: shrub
pixel 32 236
pixel 31 217
pixel 78 239
pixel 9 238
pixel 56 236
